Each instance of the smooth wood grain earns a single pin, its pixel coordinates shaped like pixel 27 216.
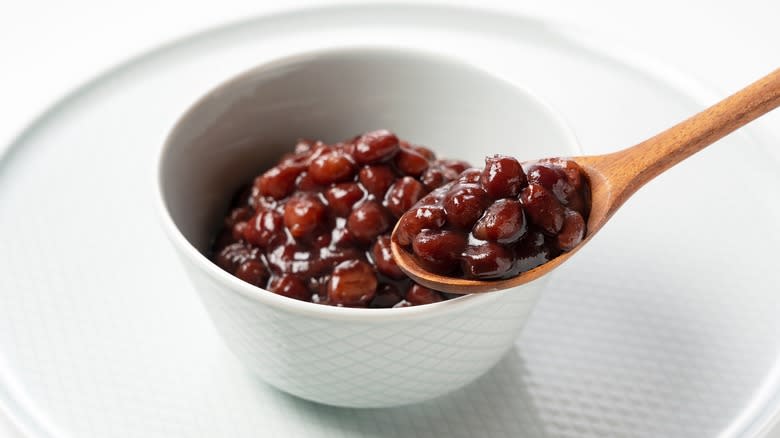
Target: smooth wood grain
pixel 615 177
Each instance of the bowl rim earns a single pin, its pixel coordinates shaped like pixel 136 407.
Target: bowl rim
pixel 305 308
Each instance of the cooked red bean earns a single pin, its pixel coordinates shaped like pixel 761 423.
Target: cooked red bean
pixel 456 166
pixel 441 172
pixel 253 272
pixel 568 196
pixel 503 177
pixel 470 176
pixel 532 250
pixel 238 230
pixel 260 202
pixel 543 208
pixel 352 284
pixel 332 167
pixel 290 286
pixel 411 162
pixel 306 183
pixel 464 204
pixel 279 181
pixel 375 146
pixel 303 214
pixel 418 219
pixel 239 214
pixel 544 175
pixel 403 194
pixel 300 161
pixel 571 170
pixel 488 260
pixel 503 222
pixel 368 220
pixel 386 296
pixel 265 229
pixel 570 190
pixel 439 250
pixel 342 198
pixel 419 295
pixel 377 179
pixel 383 259
pixel 422 150
pixel 319 150
pixel 234 255
pixel 331 257
pixel 572 232
pixel 303 146
pixel 288 258
pixel 435 176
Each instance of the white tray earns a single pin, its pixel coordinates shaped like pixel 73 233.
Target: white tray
pixel 665 325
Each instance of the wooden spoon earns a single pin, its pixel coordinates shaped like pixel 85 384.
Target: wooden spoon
pixel 616 176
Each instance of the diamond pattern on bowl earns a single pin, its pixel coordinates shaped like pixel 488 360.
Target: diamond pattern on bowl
pixel 372 363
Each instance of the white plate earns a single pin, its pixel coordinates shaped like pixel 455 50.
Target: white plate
pixel 666 325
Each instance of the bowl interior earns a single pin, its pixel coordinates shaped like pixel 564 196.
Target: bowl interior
pixel 244 126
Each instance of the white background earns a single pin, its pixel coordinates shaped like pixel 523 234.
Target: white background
pixel 47 47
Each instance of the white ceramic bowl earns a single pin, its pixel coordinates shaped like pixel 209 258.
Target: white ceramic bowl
pixel 343 356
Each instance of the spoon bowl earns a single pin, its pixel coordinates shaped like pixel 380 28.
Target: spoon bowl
pixel 614 177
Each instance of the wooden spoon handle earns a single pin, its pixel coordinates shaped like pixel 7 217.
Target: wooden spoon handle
pixel 631 168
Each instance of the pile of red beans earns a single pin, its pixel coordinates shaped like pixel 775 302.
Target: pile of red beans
pixel 316 227
pixel 493 223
